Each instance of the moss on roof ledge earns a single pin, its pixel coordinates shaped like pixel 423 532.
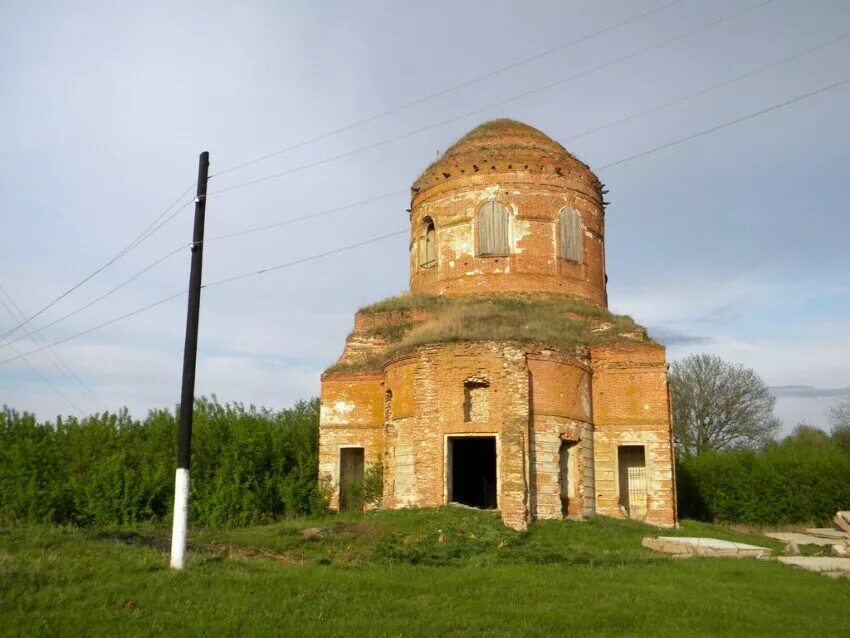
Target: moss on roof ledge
pixel 408 321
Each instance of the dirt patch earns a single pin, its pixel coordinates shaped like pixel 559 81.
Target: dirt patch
pixel 163 544
pixel 235 551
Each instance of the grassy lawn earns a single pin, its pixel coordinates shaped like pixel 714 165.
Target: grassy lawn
pixel 409 573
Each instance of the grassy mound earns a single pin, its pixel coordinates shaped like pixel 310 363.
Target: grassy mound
pixel 551 320
pixel 456 536
pixel 446 572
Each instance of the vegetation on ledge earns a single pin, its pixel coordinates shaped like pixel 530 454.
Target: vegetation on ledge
pixel 553 320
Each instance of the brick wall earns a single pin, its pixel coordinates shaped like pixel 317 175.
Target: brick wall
pixel 630 406
pixel 534 178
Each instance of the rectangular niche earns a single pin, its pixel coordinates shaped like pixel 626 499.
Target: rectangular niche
pixel 476 401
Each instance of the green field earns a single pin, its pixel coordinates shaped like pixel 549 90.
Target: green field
pixel 409 573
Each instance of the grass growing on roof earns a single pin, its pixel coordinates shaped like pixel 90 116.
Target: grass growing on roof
pixel 552 320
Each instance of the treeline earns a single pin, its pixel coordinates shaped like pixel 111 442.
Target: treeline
pixel 805 478
pixel 252 465
pixel 249 466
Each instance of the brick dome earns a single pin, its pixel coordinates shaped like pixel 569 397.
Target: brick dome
pixel 488 146
pixel 507 209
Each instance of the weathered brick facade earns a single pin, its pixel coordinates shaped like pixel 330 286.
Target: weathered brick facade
pixel 566 430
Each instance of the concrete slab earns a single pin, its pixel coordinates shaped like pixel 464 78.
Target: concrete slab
pixel 694 546
pixel 836 575
pixel 817 563
pixel 800 539
pixel 827 532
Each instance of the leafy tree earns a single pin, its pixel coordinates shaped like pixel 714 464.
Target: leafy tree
pixel 720 406
pixel 808 436
pixel 839 416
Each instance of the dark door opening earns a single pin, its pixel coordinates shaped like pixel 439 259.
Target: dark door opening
pixel 351 478
pixel 472 471
pixel 632 469
pixel 565 463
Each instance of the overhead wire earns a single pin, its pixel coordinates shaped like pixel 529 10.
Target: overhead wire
pixel 108 293
pixel 513 98
pixel 141 237
pixel 400 192
pixel 451 89
pixel 709 89
pixel 209 285
pixel 724 125
pixel 145 232
pixel 375 239
pixel 207 240
pixel 153 227
pixel 32 366
pixel 61 365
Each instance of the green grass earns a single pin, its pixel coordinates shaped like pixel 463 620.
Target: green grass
pixel 551 320
pixel 411 573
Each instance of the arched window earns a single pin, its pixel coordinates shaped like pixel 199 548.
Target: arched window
pixel 569 224
pixel 427 244
pixel 493 224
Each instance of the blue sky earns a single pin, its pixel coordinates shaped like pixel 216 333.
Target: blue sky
pixel 735 243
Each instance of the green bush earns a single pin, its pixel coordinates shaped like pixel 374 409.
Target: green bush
pixel 249 466
pixel 786 483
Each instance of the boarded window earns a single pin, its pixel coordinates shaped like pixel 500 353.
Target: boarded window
pixel 569 223
pixel 493 223
pixel 475 402
pixel 427 244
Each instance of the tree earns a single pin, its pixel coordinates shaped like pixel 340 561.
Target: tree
pixel 720 406
pixel 839 416
pixel 808 436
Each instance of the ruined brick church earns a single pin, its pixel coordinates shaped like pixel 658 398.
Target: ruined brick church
pixel 501 380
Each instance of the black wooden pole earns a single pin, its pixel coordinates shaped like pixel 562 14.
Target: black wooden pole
pixel 190 355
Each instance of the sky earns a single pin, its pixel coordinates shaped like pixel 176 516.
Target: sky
pixel 733 243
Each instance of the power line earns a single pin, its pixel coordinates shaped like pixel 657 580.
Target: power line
pixel 104 295
pixel 61 365
pixel 540 89
pixel 386 195
pixel 129 247
pixel 292 220
pixel 303 259
pixel 206 241
pixel 145 234
pixel 214 283
pixel 32 367
pixel 714 87
pixel 724 125
pixel 369 241
pixel 450 89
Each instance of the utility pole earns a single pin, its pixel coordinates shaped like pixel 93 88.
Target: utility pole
pixel 190 355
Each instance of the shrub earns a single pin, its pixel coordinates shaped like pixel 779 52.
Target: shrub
pixel 249 466
pixel 784 484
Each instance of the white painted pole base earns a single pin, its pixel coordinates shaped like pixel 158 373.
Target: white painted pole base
pixel 181 515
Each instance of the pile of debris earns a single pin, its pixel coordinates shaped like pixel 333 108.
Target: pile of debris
pixel 832 557
pixel 826 549
pixel 835 540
